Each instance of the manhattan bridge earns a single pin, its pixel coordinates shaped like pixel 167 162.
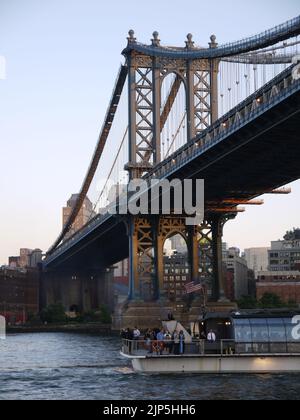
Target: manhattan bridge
pixel 228 114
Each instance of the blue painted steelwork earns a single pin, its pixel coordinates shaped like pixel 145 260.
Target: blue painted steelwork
pixel 191 151
pixel 262 40
pixel 267 38
pixel 176 160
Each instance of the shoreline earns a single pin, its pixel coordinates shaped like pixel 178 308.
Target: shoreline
pixel 87 328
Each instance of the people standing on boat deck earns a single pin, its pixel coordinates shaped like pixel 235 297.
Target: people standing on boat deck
pixel 203 335
pixel 129 337
pixel 123 334
pixel 161 335
pixel 136 333
pixel 149 337
pixel 181 342
pixel 211 337
pixel 176 340
pixel 168 342
pixel 160 342
pixel 136 336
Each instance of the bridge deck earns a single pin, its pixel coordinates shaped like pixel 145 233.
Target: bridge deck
pixel 255 156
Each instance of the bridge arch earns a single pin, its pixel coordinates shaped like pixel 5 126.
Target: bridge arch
pixel 177 270
pixel 173 98
pixel 175 72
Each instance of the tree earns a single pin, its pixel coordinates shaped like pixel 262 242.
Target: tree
pixel 247 302
pixel 105 314
pixel 271 300
pixel 54 313
pixel 292 235
pixel 102 314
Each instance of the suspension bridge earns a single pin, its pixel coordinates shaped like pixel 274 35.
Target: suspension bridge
pixel 227 114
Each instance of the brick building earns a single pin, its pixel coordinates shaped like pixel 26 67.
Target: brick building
pixel 236 274
pixel 284 284
pixel 19 294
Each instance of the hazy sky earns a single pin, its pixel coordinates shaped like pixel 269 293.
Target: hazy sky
pixel 62 57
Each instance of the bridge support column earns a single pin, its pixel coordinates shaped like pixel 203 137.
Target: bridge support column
pixel 217 224
pixel 141 259
pixel 86 304
pixel 146 263
pixel 193 248
pixel 104 289
pixel 96 289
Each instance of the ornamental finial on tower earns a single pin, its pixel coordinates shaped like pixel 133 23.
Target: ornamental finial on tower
pixel 189 43
pixel 131 39
pixel 155 40
pixel 213 43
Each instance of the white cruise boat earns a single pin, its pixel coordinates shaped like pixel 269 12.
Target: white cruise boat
pixel 239 342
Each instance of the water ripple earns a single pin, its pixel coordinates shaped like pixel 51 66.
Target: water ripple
pixel 71 366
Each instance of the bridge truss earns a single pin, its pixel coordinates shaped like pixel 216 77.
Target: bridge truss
pixel 180 101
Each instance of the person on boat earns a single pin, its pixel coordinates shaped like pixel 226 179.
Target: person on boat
pixel 176 341
pixel 136 333
pixel 181 342
pixel 149 337
pixel 211 337
pixel 203 335
pixel 168 342
pixel 129 337
pixel 123 334
pixel 160 342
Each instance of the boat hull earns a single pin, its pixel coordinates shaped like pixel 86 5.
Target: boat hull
pixel 216 364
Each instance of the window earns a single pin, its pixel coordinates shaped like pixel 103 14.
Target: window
pixel 242 331
pixel 277 331
pixel 274 254
pixel 260 331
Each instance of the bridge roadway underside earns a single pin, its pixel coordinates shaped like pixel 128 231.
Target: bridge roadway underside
pixel 262 155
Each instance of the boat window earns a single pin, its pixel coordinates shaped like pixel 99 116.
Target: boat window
pixel 242 331
pixel 260 331
pixel 277 331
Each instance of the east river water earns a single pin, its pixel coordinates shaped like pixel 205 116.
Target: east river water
pixel 73 366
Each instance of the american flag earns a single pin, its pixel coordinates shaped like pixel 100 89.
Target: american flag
pixel 193 287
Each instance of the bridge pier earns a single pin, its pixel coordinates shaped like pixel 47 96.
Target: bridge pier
pixel 147 237
pixel 82 291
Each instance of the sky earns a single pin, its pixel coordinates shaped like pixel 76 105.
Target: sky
pixel 62 57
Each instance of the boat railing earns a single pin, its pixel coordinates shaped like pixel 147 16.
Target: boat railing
pixel 146 347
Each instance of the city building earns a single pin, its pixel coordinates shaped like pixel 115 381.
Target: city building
pixel 284 284
pixel 284 255
pixel 257 259
pixel 176 275
pixel 86 212
pixel 282 277
pixel 25 257
pixel 35 257
pixel 236 274
pixel 14 262
pixel 19 294
pixel 28 258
